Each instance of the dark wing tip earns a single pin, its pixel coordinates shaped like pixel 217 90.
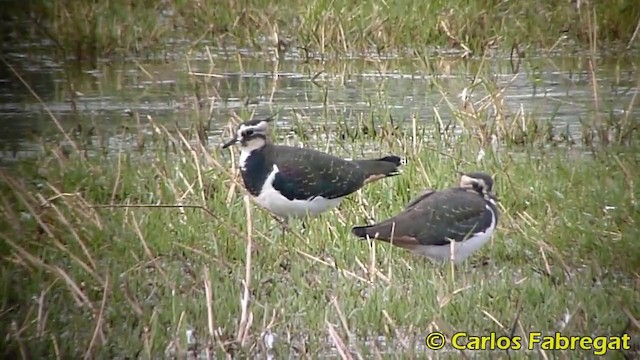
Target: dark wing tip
pixel 359 231
pixel 396 160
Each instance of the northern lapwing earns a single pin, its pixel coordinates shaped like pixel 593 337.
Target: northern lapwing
pixel 443 225
pixel 293 182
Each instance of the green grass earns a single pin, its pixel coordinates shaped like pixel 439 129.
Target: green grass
pixel 89 30
pixel 78 278
pixel 98 260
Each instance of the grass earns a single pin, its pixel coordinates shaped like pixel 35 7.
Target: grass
pixel 84 275
pixel 88 31
pixel 118 254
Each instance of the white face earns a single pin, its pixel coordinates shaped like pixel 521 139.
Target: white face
pixel 469 182
pixel 252 136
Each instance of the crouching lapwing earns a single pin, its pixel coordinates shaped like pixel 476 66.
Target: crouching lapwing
pixel 443 225
pixel 293 182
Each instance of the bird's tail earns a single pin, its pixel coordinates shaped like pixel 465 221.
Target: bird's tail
pixel 361 231
pixel 376 169
pixel 381 231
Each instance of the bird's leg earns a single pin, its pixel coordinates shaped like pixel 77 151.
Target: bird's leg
pixel 284 227
pixel 283 224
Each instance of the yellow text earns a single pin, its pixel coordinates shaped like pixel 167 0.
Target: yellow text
pixel 464 341
pixel 599 344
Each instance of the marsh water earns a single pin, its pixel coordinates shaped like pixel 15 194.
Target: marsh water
pixel 206 88
pixel 185 89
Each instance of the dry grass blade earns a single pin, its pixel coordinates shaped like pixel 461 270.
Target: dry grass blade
pixel 80 206
pixel 345 326
pixel 56 347
pixel 196 161
pixel 403 340
pixel 246 317
pixel 339 344
pixel 116 182
pixel 210 259
pixel 211 315
pixel 42 312
pixel 343 271
pixel 90 268
pixel 235 231
pixel 80 298
pixel 147 249
pixel 633 319
pixel 98 332
pixel 20 193
pixel 24 353
pixel 493 319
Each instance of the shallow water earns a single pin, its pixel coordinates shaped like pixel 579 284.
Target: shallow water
pixel 556 88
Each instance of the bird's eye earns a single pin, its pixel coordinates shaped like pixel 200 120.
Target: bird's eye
pixel 248 133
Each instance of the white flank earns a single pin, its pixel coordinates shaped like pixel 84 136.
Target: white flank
pixel 271 199
pixel 461 250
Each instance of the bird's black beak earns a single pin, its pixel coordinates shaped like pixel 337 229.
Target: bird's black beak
pixel 229 143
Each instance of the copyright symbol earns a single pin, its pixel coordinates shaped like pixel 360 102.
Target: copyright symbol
pixel 435 341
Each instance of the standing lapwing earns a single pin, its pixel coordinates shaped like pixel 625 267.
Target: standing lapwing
pixel 294 182
pixel 443 225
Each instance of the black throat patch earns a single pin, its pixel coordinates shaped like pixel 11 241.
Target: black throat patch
pixel 255 172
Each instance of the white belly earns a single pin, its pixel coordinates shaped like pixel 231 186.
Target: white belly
pixel 271 199
pixel 461 250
